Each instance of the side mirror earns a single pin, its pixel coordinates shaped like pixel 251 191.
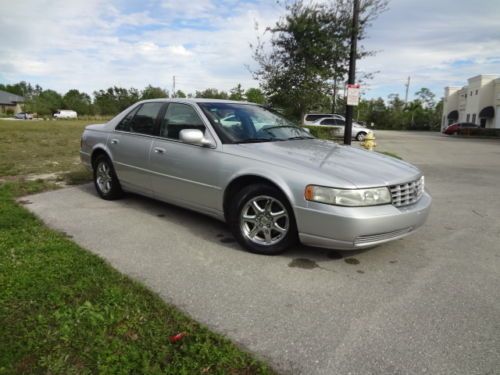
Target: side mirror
pixel 194 137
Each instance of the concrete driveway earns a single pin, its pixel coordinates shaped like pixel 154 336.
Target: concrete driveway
pixel 429 303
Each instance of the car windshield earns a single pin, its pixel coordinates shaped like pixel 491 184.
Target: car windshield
pixel 248 123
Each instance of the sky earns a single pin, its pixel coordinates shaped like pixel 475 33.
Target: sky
pixel 94 44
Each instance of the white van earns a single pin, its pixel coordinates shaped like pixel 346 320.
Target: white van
pixel 313 118
pixel 65 113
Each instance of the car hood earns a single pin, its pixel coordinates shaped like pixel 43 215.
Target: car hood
pixel 327 160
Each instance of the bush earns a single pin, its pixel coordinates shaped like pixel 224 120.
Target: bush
pixel 9 112
pixel 322 132
pixel 480 132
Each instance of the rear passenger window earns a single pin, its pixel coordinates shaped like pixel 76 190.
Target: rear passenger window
pixel 144 120
pixel 125 123
pixel 179 117
pixel 329 121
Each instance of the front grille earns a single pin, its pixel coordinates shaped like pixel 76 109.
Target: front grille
pixel 374 238
pixel 406 194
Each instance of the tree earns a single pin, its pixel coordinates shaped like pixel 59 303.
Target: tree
pixel 180 94
pixel 45 103
pixel 151 92
pixel 77 101
pixel 22 89
pixel 427 97
pixel 237 93
pixel 309 47
pixel 211 94
pixel 115 99
pixel 255 95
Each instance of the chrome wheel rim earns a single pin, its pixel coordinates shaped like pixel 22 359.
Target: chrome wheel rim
pixel 103 177
pixel 361 137
pixel 264 220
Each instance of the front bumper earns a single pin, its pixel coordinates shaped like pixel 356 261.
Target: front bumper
pixel 350 228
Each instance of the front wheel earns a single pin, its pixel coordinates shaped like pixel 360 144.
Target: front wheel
pixel 360 136
pixel 262 220
pixel 105 180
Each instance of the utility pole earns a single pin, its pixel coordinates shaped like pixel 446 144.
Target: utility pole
pixel 407 89
pixel 334 96
pixel 173 87
pixel 352 71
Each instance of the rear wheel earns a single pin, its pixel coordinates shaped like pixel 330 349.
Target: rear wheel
pixel 105 180
pixel 262 220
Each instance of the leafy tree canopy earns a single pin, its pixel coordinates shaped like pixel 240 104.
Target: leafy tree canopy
pixel 151 92
pixel 309 47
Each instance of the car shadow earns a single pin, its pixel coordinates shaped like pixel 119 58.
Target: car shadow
pixel 211 229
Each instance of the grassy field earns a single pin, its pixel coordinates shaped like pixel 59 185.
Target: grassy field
pixel 40 147
pixel 64 310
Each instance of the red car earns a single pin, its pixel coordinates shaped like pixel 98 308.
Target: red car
pixel 455 128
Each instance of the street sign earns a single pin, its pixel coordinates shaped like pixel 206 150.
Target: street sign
pixel 353 92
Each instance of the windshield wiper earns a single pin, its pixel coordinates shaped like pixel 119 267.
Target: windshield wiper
pixel 256 140
pixel 298 137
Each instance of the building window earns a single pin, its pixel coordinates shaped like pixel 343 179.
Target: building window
pixel 468 117
pixel 471 93
pixel 474 118
pixel 477 91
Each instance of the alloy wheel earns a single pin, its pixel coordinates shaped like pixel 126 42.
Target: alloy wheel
pixel 264 220
pixel 103 177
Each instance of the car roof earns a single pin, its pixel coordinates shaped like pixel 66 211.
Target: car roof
pixel 196 100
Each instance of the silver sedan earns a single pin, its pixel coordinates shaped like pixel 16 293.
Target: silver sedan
pixel 269 180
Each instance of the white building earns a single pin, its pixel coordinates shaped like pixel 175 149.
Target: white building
pixel 478 102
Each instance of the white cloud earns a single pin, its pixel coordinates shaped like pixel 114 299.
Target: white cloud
pixel 428 39
pixel 93 44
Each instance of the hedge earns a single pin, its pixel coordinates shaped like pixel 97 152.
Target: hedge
pixel 322 132
pixel 480 132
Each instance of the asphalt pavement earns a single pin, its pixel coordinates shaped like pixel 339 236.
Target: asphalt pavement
pixel 428 303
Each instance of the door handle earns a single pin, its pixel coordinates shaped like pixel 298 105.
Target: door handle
pixel 159 150
pixel 114 141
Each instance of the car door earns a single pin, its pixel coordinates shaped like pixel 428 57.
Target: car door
pixel 130 144
pixel 183 173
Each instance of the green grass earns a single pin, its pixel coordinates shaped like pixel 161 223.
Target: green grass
pixel 66 311
pixel 36 147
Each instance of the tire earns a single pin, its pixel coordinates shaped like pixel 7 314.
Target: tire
pixel 105 181
pixel 360 136
pixel 262 220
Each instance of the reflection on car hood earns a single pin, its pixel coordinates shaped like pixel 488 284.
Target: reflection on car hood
pixel 327 159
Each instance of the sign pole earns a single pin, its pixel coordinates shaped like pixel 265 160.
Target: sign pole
pixel 352 72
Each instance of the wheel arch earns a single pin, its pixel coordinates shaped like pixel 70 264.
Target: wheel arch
pixel 97 152
pixel 239 182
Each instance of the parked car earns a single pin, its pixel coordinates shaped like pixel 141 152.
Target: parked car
pixel 455 128
pixel 268 179
pixel 359 131
pixel 312 118
pixel 65 113
pixel 23 116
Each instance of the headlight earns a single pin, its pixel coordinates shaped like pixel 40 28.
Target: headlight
pixel 348 197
